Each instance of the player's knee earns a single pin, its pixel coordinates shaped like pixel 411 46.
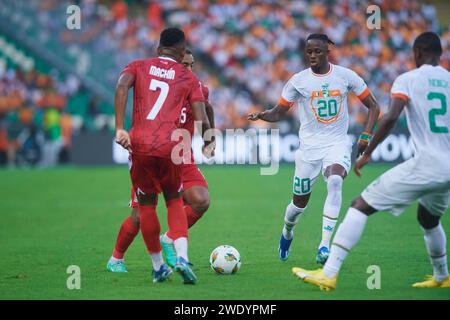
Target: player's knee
pixel 334 183
pixel 301 201
pixel 200 203
pixel 197 198
pixel 426 219
pixel 361 205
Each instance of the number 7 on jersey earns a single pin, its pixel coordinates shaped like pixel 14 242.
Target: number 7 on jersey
pixel 155 84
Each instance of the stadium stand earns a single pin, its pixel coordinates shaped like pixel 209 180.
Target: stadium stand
pixel 64 79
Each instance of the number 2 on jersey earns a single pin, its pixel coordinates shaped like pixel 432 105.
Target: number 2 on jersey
pixel 155 84
pixel 437 112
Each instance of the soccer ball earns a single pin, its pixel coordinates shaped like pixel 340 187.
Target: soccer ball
pixel 225 260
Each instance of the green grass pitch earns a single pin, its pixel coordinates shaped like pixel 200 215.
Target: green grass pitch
pixel 51 219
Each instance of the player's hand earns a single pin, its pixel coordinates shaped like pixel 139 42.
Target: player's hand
pixel 209 148
pixel 361 162
pixel 254 116
pixel 123 138
pixel 361 146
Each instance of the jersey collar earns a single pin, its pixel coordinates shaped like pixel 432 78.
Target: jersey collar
pixel 166 58
pixel 325 74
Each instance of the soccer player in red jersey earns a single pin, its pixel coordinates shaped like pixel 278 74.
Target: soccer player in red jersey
pixel 161 88
pixel 195 194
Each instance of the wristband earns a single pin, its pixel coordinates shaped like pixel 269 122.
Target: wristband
pixel 365 136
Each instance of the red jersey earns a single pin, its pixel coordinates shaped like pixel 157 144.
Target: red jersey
pixel 162 87
pixel 189 122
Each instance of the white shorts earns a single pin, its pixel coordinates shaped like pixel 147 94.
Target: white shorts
pixel 309 163
pixel 398 187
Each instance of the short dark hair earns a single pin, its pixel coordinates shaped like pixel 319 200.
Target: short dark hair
pixel 171 37
pixel 188 51
pixel 319 36
pixel 428 42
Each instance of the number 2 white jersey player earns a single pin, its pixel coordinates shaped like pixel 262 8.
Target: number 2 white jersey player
pixel 424 93
pixel 321 92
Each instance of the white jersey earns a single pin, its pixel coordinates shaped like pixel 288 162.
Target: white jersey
pixel 427 92
pixel 322 102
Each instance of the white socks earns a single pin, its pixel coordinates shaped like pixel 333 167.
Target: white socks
pixel 327 231
pixel 166 239
pixel 112 259
pixel 331 208
pixel 347 236
pixel 181 246
pixel 157 260
pixel 291 217
pixel 351 229
pixel 435 242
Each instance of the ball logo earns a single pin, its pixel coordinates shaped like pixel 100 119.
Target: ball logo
pixel 214 256
pixel 230 257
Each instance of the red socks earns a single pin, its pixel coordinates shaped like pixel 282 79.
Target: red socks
pixel 176 218
pixel 179 220
pixel 150 228
pixel 191 216
pixel 127 233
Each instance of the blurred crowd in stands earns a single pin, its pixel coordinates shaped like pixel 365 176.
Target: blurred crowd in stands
pixel 35 128
pixel 245 52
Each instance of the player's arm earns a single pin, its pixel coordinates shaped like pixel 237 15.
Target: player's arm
pixel 200 114
pixel 386 124
pixel 199 110
pixel 374 111
pixel 210 146
pixel 272 115
pixel 288 96
pixel 210 113
pixel 125 82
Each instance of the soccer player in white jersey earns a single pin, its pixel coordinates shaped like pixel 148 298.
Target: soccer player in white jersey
pixel 321 92
pixel 424 94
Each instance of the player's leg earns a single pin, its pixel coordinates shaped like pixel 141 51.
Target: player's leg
pixel 377 196
pixel 336 165
pixel 144 182
pixel 128 231
pixel 306 173
pixel 196 202
pixel 150 229
pixel 347 236
pixel 334 176
pixel 170 178
pixel 431 207
pixel 291 218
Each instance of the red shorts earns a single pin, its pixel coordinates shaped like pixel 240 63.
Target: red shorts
pixel 151 175
pixel 190 176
